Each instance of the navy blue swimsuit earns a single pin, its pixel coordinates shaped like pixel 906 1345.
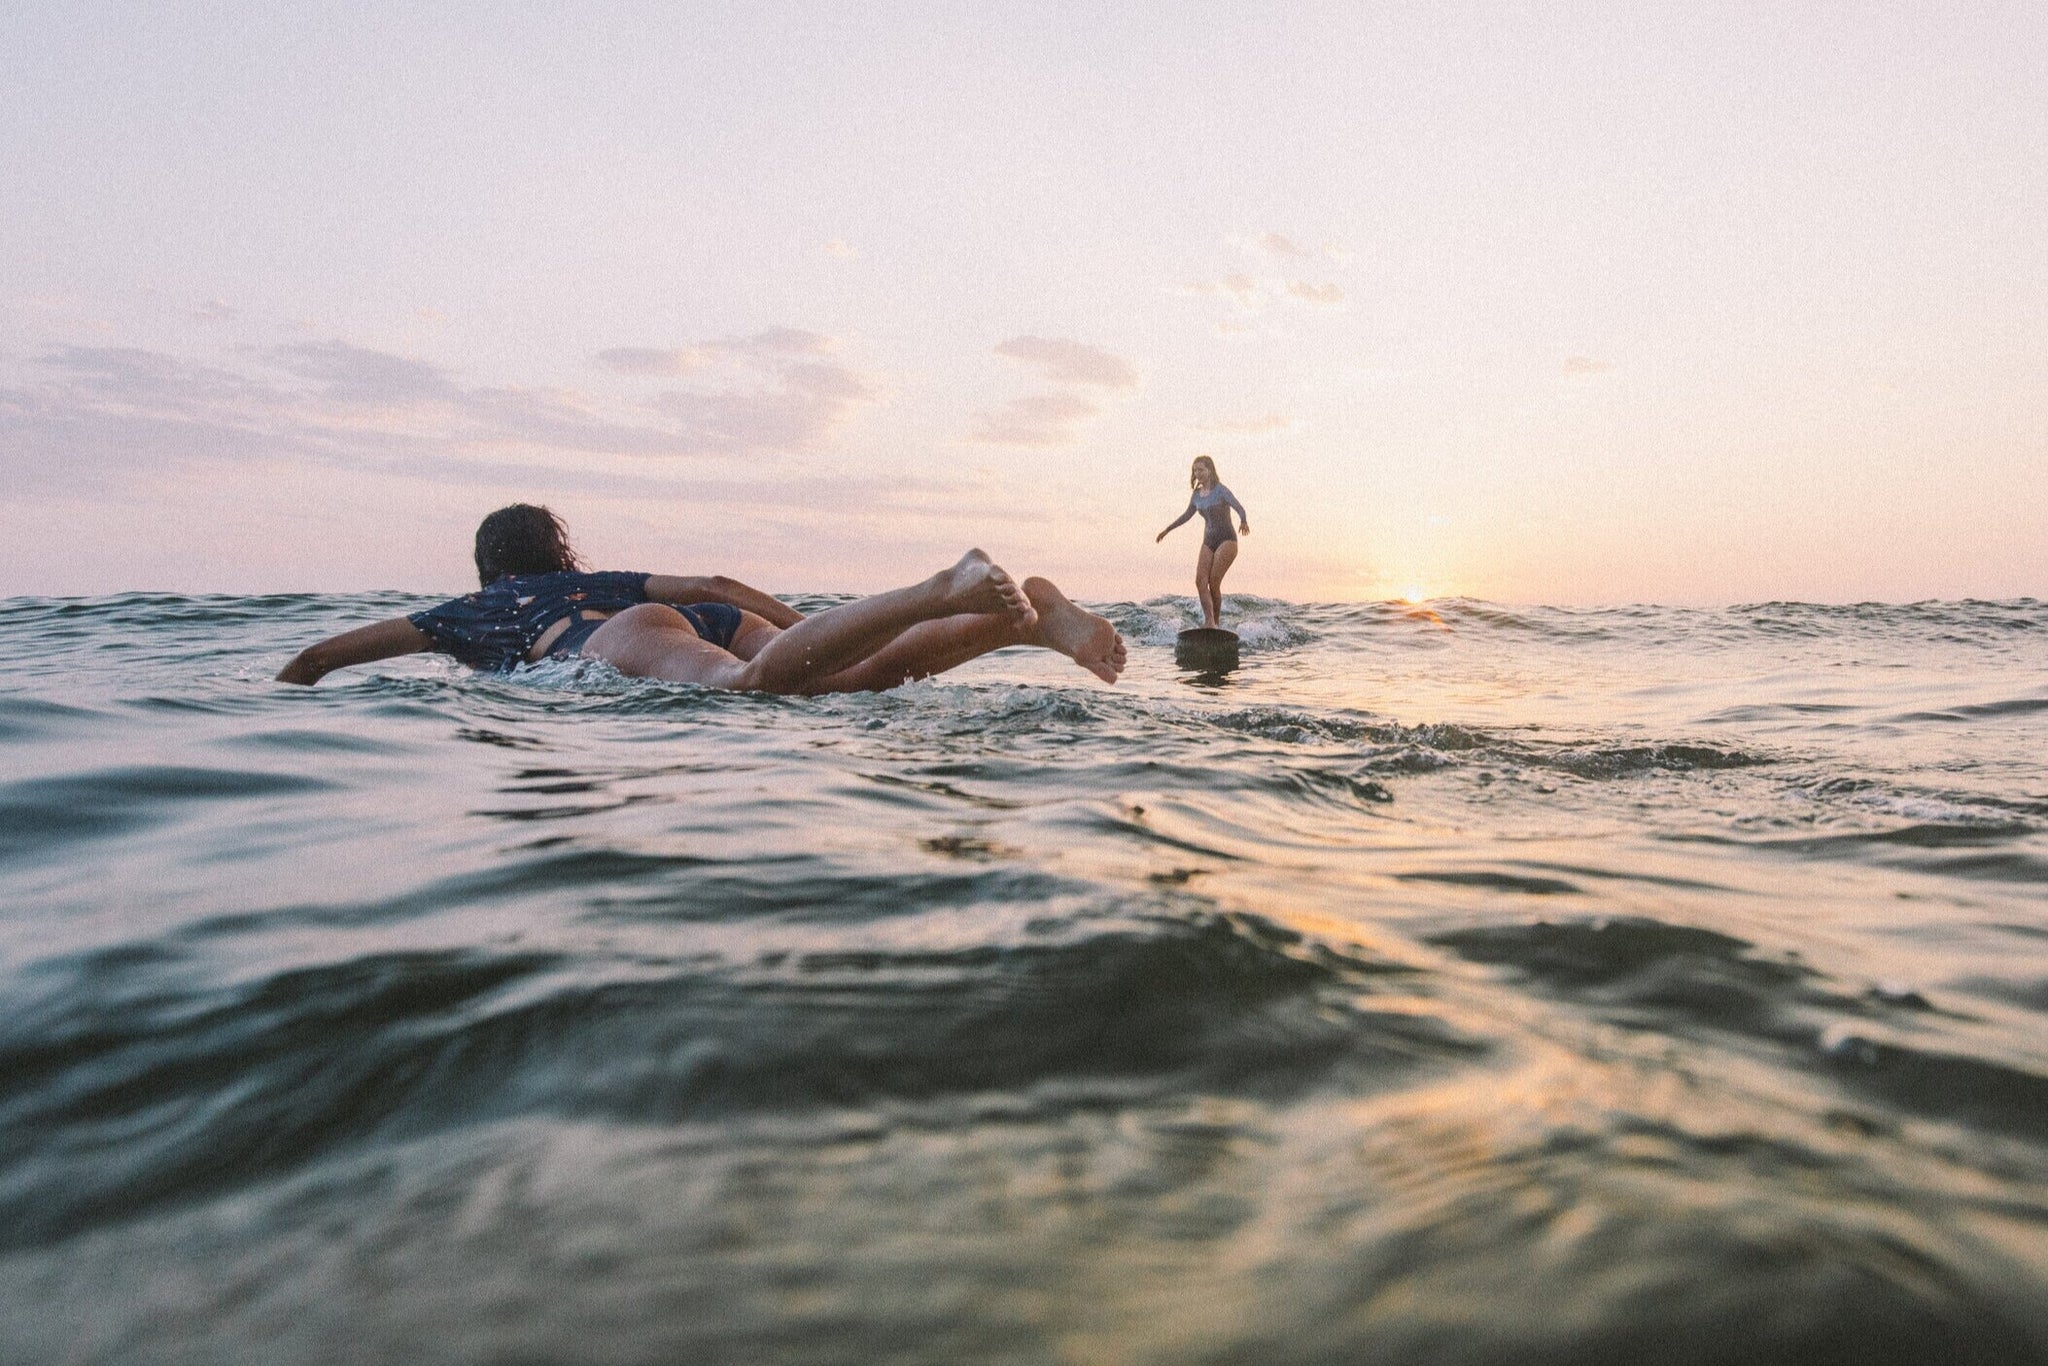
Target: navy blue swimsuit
pixel 494 627
pixel 1215 506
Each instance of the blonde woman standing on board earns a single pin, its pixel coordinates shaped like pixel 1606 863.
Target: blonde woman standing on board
pixel 1219 542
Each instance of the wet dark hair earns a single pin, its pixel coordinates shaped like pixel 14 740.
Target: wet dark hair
pixel 522 539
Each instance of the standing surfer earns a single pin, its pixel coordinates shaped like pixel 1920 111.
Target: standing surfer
pixel 1219 542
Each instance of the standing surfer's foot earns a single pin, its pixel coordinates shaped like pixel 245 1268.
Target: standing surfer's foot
pixel 1089 640
pixel 978 584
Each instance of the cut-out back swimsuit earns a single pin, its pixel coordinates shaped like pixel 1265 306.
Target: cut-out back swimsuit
pixel 495 627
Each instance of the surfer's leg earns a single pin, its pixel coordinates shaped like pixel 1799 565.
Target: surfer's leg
pixel 752 634
pixel 654 641
pixel 1211 610
pixel 932 647
pixel 1085 637
pixel 1219 564
pixel 797 659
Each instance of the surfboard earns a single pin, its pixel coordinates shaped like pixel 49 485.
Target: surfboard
pixel 1208 648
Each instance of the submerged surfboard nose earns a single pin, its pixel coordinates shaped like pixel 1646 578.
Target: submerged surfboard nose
pixel 1206 647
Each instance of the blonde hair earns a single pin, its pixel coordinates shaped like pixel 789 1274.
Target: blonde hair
pixel 1195 472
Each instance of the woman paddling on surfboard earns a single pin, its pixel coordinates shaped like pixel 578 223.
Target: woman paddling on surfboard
pixel 1219 542
pixel 537 602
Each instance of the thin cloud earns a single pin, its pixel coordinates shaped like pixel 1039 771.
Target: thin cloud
pixel 1277 245
pixel 129 376
pixel 1251 293
pixel 353 374
pixel 1035 420
pixel 60 450
pixel 1269 425
pixel 1253 290
pixel 796 413
pixel 649 361
pixel 556 420
pixel 1326 296
pixel 839 247
pixel 52 443
pixel 1238 286
pixel 792 341
pixel 214 311
pixel 1280 246
pixel 1585 365
pixel 130 409
pixel 672 362
pixel 1071 362
pixel 1053 419
pixel 768 391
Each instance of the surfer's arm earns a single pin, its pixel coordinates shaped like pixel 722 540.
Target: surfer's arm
pixel 1176 521
pixel 364 645
pixel 1244 521
pixel 685 590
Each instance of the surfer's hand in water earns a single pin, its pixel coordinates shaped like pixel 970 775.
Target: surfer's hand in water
pixel 302 670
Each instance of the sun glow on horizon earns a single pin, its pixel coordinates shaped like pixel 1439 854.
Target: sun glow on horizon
pixel 1402 589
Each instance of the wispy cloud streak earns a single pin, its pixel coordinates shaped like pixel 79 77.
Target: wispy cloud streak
pixel 1035 420
pixel 1053 418
pixel 110 408
pixel 1071 362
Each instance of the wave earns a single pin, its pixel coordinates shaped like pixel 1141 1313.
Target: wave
pixel 1391 747
pixel 210 1090
pixel 38 816
pixel 1977 711
pixel 1996 1097
pixel 1651 974
pixel 26 718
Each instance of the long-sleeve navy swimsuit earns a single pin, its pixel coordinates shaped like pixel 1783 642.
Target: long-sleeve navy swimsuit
pixel 1214 504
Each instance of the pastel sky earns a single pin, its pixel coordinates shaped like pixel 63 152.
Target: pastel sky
pixel 1533 302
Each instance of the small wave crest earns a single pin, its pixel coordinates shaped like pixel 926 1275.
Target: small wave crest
pixel 1260 624
pixel 31 718
pixel 40 815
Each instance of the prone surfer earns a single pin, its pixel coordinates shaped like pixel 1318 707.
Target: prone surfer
pixel 538 603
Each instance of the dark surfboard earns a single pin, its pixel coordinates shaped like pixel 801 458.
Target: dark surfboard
pixel 1207 648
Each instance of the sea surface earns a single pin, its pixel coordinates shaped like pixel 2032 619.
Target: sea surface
pixel 1451 983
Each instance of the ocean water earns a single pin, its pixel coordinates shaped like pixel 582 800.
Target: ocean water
pixel 1451 983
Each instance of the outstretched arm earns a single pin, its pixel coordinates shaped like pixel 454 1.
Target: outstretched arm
pixel 364 645
pixel 684 590
pixel 1177 521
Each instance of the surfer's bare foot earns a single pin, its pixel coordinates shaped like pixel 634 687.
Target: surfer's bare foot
pixel 1087 639
pixel 978 584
